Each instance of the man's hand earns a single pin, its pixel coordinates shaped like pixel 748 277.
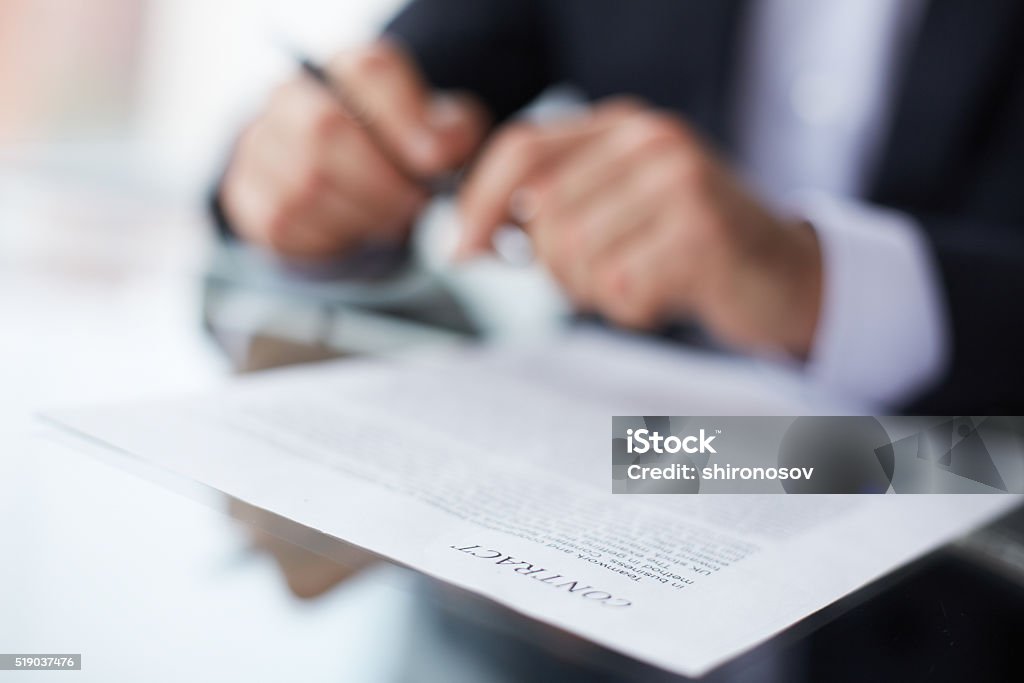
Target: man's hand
pixel 639 222
pixel 308 182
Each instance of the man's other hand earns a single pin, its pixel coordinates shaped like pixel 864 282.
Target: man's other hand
pixel 640 222
pixel 307 181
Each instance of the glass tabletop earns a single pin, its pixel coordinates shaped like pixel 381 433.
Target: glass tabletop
pixel 153 578
pixel 336 611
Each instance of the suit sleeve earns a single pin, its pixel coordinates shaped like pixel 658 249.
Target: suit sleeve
pixel 495 49
pixel 883 333
pixel 923 314
pixel 979 249
pixel 982 270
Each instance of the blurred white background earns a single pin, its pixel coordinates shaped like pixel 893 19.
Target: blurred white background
pixel 175 78
pixel 114 116
pixel 205 65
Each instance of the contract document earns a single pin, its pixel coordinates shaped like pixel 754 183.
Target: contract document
pixel 491 469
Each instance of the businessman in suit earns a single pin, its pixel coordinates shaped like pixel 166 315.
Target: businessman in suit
pixel 833 183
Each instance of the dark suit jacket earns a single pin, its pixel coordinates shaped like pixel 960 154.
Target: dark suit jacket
pixel 954 157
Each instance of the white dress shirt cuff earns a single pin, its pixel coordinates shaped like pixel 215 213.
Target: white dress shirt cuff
pixel 882 334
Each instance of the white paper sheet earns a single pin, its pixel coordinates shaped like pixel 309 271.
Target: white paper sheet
pixel 491 469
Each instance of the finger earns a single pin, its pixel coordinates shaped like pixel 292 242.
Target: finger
pixel 647 281
pixel 250 194
pixel 460 122
pixel 276 225
pixel 312 143
pixel 561 246
pixel 268 226
pixel 319 138
pixel 546 234
pixel 336 222
pixel 498 190
pixel 517 157
pixel 288 205
pixel 426 134
pixel 632 139
pixel 354 167
pixel 620 205
pixel 572 237
pixel 342 205
pixel 602 228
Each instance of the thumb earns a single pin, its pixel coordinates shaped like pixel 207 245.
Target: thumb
pixel 457 123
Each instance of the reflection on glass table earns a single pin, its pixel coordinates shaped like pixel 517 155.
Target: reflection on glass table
pixel 949 616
